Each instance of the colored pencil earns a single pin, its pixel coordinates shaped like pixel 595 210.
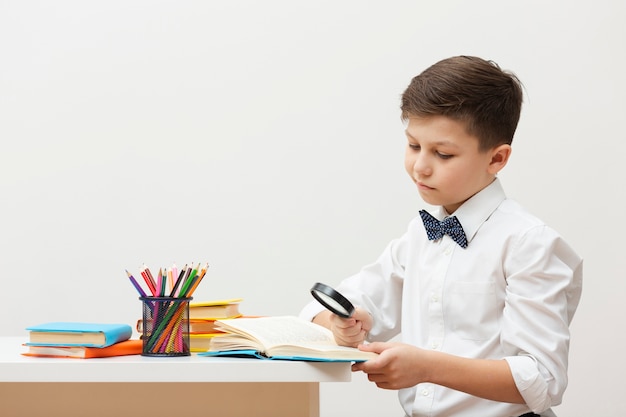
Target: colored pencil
pixel 188 280
pixel 150 277
pixel 178 281
pixel 159 283
pixel 136 284
pixel 146 278
pixel 198 279
pixel 170 278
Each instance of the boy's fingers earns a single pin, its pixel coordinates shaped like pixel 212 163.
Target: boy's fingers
pixel 377 347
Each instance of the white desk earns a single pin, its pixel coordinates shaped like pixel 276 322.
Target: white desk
pixel 155 387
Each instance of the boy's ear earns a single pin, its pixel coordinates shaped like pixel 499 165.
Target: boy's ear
pixel 499 158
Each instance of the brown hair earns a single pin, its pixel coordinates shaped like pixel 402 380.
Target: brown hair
pixel 471 90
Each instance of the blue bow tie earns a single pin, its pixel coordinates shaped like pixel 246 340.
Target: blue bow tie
pixel 450 226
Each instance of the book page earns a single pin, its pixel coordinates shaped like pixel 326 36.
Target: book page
pixel 66 337
pixel 272 331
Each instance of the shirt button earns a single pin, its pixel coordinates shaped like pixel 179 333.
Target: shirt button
pixel 434 345
pixel 448 251
pixel 425 392
pixel 435 298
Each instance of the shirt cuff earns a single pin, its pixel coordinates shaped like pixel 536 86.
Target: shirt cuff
pixel 531 385
pixel 311 310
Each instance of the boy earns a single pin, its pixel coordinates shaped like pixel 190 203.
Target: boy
pixel 484 299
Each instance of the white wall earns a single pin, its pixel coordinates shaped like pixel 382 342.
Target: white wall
pixel 264 138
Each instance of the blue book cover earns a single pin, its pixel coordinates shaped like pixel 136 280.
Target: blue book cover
pixel 255 354
pixel 78 334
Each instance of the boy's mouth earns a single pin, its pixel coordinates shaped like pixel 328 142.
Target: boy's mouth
pixel 423 186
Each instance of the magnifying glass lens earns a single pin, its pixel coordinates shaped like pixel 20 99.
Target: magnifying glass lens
pixel 332 300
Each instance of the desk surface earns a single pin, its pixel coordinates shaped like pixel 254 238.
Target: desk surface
pixel 15 367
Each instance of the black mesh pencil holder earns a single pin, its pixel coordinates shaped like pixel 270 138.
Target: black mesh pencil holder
pixel 165 326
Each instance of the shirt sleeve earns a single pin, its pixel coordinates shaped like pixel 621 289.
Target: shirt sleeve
pixel 377 288
pixel 311 310
pixel 544 282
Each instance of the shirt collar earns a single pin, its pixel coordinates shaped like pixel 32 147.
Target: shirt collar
pixel 475 211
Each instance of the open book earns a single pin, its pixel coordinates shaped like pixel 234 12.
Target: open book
pixel 281 337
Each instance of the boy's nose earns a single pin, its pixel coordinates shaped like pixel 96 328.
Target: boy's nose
pixel 421 166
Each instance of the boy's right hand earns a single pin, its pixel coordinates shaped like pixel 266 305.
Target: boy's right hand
pixel 348 332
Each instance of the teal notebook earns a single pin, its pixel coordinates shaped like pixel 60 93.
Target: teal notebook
pixel 78 334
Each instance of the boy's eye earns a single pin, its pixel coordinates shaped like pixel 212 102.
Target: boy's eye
pixel 443 155
pixel 414 146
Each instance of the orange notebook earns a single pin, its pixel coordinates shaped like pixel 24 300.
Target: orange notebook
pixel 127 347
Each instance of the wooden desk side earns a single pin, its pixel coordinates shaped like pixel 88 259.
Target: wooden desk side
pixel 159 387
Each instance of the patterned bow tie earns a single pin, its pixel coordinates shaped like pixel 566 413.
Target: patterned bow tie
pixel 450 226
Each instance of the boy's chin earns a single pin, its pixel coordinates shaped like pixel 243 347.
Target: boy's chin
pixel 428 199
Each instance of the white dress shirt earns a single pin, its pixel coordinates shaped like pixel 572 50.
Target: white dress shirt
pixel 510 294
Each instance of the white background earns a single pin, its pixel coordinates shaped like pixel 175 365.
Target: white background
pixel 265 138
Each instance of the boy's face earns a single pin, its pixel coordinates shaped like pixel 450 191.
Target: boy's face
pixel 444 161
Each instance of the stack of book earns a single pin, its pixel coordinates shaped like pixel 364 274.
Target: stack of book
pixel 81 340
pixel 202 317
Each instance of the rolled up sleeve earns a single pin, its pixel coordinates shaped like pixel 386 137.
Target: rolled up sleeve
pixel 543 290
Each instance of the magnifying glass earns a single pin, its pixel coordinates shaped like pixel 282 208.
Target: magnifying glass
pixel 332 300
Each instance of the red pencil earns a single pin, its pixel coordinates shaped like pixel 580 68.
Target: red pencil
pixel 147 276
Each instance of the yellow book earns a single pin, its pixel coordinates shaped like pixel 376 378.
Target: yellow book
pixel 213 310
pixel 199 342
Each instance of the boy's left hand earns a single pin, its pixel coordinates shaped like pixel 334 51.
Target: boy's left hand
pixel 398 365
